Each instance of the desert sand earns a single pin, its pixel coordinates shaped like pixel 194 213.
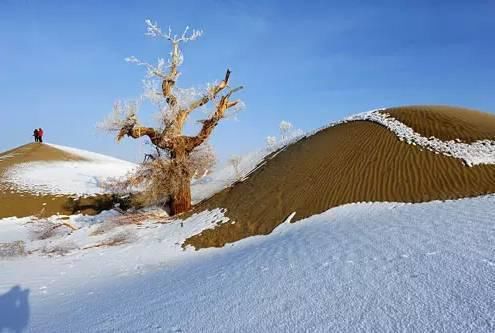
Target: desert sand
pixel 359 161
pixel 14 202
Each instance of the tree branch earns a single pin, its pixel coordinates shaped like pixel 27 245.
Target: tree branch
pixel 183 114
pixel 140 131
pixel 169 82
pixel 212 122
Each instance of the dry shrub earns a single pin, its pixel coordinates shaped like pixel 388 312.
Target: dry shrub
pixel 140 217
pixel 59 248
pixel 118 238
pixel 159 178
pixel 12 249
pixel 43 229
pixel 104 227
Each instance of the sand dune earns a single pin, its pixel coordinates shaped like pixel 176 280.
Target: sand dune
pixel 358 161
pixel 21 199
pixel 446 123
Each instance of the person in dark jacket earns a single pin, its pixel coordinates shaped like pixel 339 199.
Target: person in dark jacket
pixel 40 134
pixel 36 135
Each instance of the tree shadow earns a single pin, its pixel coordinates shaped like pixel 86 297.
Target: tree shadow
pixel 14 310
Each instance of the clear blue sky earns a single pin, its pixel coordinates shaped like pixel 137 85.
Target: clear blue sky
pixel 308 62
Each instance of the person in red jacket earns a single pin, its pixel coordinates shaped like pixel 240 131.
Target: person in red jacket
pixel 40 134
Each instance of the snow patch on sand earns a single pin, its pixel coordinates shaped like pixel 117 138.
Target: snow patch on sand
pixel 78 178
pixel 475 153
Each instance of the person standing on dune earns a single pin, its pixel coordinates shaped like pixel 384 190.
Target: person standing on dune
pixel 40 135
pixel 36 135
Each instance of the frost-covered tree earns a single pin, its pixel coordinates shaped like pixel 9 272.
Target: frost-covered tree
pixel 287 132
pixel 175 106
pixel 285 129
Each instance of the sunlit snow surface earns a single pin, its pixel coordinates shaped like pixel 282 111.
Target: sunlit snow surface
pixel 68 177
pixel 363 267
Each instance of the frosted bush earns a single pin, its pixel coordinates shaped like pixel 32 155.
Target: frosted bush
pixel 12 249
pixel 59 248
pixel 44 229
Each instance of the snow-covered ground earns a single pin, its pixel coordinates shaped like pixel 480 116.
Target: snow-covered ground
pixel 384 267
pixel 68 177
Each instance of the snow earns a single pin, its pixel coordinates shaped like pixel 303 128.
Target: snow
pixel 478 152
pixel 474 153
pixel 68 177
pixel 360 267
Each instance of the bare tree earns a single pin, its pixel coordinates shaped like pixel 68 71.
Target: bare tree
pixel 175 106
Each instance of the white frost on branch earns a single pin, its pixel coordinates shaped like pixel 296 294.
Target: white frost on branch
pixel 151 70
pixel 123 114
pixel 185 97
pixel 153 30
pixel 159 88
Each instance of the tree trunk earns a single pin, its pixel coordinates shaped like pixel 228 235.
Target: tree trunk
pixel 181 202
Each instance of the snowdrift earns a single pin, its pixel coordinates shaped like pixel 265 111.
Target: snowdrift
pixel 407 154
pixel 50 179
pixel 378 267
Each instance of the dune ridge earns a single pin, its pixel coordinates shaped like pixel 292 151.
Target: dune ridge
pixel 21 201
pixel 354 161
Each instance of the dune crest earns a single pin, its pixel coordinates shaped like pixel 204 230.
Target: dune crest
pixel 49 179
pixel 357 160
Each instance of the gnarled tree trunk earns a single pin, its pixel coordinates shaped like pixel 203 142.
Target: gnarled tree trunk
pixel 181 198
pixel 181 201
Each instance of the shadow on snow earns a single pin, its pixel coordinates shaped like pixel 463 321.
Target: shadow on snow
pixel 14 310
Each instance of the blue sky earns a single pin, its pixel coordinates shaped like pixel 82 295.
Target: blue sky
pixel 308 62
